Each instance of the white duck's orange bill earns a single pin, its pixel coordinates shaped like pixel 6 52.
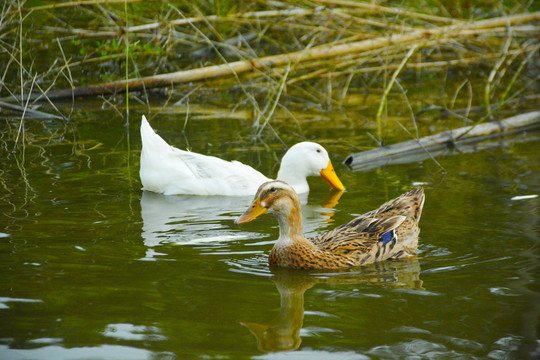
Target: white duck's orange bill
pixel 331 178
pixel 255 210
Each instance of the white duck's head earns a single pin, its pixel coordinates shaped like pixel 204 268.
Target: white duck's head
pixel 307 159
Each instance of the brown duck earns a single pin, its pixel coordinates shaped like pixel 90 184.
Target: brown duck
pixel 389 232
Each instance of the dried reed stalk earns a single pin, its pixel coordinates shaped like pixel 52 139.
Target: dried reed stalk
pixel 59 5
pixel 419 37
pixel 388 10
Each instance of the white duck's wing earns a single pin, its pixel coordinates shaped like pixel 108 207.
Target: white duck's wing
pixel 215 176
pixel 168 170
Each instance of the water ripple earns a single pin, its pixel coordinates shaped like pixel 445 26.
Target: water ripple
pixel 417 292
pixel 257 265
pixel 502 291
pixel 314 331
pixel 309 354
pixel 417 348
pixel 4 300
pixel 133 332
pixel 110 352
pixel 469 262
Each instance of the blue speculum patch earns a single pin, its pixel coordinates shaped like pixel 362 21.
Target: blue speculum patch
pixel 387 237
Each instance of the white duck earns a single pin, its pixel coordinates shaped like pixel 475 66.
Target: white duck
pixel 170 171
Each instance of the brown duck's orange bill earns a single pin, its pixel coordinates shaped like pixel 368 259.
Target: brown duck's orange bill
pixel 256 209
pixel 331 178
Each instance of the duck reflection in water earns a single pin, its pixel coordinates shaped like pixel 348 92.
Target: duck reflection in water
pixel 283 332
pixel 192 219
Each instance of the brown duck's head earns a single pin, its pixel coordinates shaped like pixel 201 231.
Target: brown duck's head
pixel 274 197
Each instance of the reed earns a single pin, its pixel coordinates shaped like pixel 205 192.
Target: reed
pixel 283 51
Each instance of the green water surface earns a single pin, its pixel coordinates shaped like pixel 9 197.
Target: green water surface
pixel 91 267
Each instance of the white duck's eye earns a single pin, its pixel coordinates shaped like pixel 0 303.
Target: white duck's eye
pixel 318 150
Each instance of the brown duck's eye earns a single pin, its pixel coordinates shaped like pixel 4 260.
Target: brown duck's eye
pixel 272 189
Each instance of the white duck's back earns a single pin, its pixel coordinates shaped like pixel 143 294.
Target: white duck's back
pixel 168 170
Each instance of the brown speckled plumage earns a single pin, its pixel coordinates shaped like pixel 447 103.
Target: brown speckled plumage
pixel 355 243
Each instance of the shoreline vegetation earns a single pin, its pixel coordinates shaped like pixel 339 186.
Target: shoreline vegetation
pixel 271 55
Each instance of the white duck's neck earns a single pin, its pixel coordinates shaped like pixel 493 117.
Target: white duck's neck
pixel 298 182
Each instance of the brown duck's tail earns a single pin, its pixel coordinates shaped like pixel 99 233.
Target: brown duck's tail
pixel 417 198
pixel 409 231
pixel 409 205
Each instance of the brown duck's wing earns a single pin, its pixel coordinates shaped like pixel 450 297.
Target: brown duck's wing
pixel 409 205
pixel 358 235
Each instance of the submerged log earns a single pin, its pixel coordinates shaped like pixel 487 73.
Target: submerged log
pixel 27 111
pixel 461 140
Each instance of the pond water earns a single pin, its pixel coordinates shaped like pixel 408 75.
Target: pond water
pixel 92 267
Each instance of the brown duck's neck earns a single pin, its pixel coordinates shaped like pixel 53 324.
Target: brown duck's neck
pixel 290 227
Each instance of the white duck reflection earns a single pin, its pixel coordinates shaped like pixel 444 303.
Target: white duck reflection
pixel 194 220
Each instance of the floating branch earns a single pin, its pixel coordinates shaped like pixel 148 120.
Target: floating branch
pixel 430 146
